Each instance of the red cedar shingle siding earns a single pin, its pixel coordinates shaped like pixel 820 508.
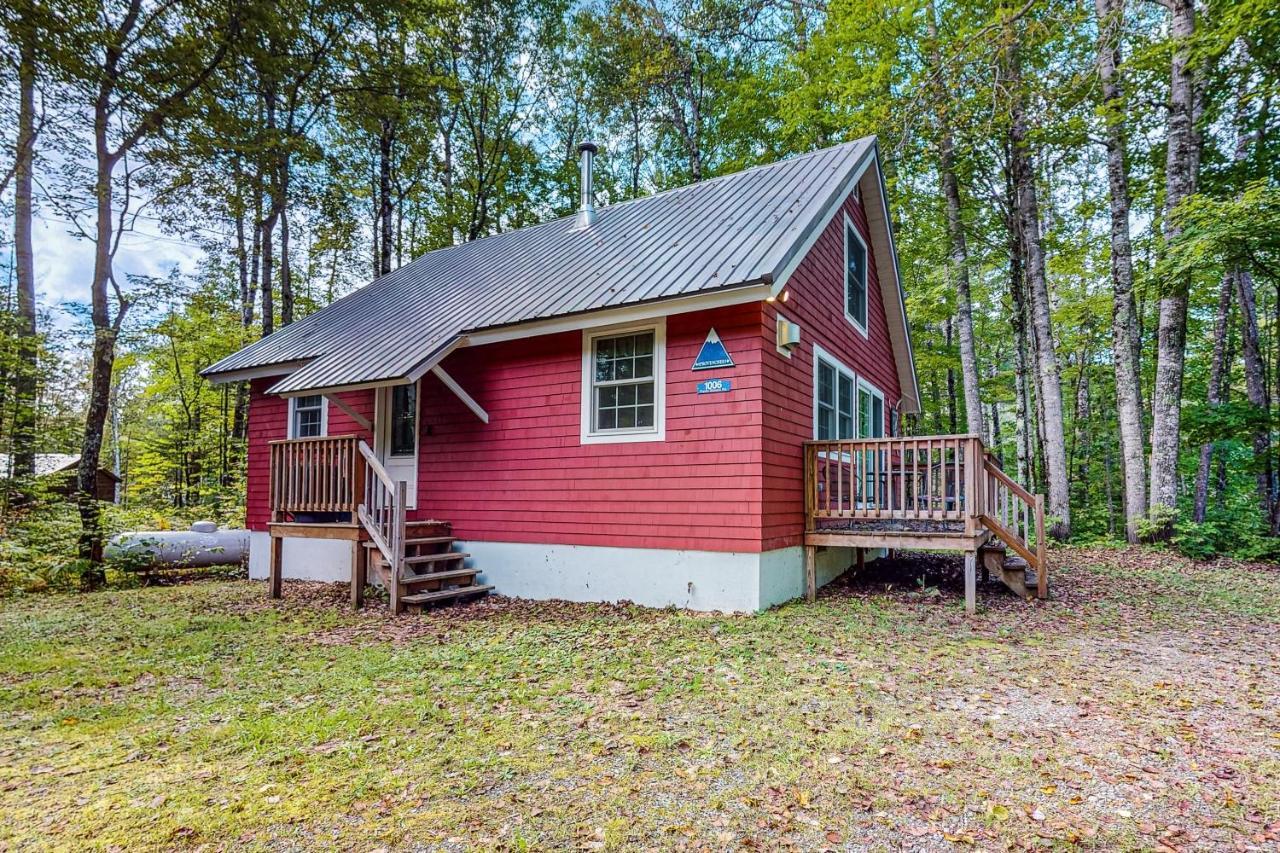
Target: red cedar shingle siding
pixel 727 478
pixel 816 304
pixel 526 476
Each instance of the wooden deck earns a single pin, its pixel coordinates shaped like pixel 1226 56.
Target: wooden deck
pixel 334 487
pixel 940 492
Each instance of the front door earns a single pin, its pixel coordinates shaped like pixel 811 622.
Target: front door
pixel 396 440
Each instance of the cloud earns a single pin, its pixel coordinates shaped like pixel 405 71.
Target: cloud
pixel 64 263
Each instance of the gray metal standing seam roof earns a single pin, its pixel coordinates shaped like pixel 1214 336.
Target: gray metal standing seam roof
pixel 730 231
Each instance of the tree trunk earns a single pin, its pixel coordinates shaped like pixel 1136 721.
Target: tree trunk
pixel 384 197
pixel 958 250
pixel 268 228
pixel 1022 411
pixel 1217 371
pixel 1049 385
pixel 268 266
pixel 286 270
pixel 1171 335
pixel 104 349
pixel 949 331
pixel 239 423
pixel 1125 339
pixel 26 370
pixel 1256 388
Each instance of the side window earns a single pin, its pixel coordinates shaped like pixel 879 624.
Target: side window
pixel 833 401
pixel 870 411
pixel 855 277
pixel 306 416
pixel 623 384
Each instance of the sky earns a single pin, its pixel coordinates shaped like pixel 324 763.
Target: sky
pixel 64 263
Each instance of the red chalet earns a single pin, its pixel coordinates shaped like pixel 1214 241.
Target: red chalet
pixel 689 399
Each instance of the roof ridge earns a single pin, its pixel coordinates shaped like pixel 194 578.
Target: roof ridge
pixel 794 158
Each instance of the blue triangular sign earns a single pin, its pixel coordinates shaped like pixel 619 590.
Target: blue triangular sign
pixel 712 354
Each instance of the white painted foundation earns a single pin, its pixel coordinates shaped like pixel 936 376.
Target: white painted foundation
pixel 697 580
pixel 302 559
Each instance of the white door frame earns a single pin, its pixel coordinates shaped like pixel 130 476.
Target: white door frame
pixel 399 467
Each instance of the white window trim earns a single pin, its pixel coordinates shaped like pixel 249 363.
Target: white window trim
pixel 864 385
pixel 324 415
pixel 820 354
pixel 850 228
pixel 659 432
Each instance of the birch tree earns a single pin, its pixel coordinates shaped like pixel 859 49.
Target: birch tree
pixel 958 249
pixel 1181 164
pixel 1124 320
pixel 1048 373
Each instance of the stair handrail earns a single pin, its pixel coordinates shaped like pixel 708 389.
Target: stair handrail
pixel 1012 523
pixel 382 514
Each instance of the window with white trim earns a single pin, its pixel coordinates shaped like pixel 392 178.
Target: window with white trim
pixel 307 416
pixel 623 384
pixel 871 425
pixel 870 410
pixel 833 399
pixel 855 276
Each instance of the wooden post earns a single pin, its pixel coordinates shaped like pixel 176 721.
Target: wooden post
pixel 972 502
pixel 397 544
pixel 810 486
pixel 810 573
pixel 274 570
pixel 359 572
pixel 860 557
pixel 1042 552
pixel 970 582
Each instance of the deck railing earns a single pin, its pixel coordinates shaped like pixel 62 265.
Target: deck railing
pixel 1016 516
pixel 323 475
pixel 382 511
pixel 927 478
pixel 950 480
pixel 321 480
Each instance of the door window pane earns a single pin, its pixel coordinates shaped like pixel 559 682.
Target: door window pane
pixel 404 420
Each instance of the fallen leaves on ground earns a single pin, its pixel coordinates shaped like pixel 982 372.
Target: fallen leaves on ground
pixel 1138 708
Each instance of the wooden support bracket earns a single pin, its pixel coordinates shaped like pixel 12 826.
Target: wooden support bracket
pixel 351 413
pixel 462 395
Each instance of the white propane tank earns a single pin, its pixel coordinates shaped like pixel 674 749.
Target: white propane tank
pixel 202 546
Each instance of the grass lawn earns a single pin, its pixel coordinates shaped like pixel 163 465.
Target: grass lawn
pixel 1140 709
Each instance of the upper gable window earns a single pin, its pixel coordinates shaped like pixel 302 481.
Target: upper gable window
pixel 855 276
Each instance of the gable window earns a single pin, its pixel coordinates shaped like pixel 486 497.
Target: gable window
pixel 307 416
pixel 623 384
pixel 833 399
pixel 855 276
pixel 404 420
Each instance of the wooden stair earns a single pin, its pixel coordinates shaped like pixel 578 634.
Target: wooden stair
pixel 433 572
pixel 1010 569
